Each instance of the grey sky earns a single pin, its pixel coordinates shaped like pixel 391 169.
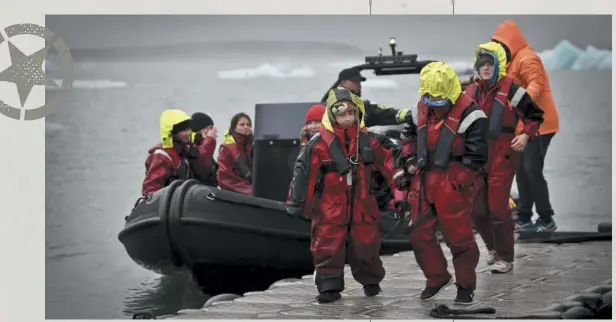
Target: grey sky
pixel 366 32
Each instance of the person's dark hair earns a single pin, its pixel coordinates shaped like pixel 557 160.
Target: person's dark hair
pixel 482 60
pixel 236 119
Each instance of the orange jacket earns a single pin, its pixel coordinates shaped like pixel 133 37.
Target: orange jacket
pixel 527 70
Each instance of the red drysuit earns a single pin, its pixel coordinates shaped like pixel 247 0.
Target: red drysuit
pixel 203 163
pixel 235 163
pixel 163 166
pixel 504 103
pixel 448 154
pixel 345 216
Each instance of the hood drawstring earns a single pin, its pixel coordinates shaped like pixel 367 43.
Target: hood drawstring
pixel 356 154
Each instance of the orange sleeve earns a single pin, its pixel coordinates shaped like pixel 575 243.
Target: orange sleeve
pixel 531 70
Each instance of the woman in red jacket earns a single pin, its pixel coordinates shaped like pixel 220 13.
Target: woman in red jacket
pixel 235 156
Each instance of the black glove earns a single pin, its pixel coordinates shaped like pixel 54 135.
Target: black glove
pixel 408 117
pixel 410 129
pixel 249 177
pixel 402 182
pixel 402 207
pixel 411 161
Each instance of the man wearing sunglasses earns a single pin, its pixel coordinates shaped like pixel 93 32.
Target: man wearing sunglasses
pixel 376 114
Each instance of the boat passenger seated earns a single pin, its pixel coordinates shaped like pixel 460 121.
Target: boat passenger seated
pixel 204 143
pixel 168 160
pixel 235 156
pixel 313 122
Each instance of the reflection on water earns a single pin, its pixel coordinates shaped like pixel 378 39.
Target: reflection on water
pixel 164 295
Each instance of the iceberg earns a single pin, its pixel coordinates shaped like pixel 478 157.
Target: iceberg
pixel 565 55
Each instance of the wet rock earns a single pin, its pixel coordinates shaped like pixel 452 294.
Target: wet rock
pixel 577 313
pixel 600 289
pixel 564 306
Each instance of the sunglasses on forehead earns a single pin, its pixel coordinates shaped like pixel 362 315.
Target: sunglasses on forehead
pixel 341 107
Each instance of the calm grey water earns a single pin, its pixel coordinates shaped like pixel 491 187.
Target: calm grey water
pixel 97 144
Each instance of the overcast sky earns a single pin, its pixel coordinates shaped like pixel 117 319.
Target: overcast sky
pixel 366 32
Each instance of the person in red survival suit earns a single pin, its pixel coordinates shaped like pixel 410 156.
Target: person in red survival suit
pixel 331 186
pixel 313 120
pixel 204 143
pixel 505 103
pixel 446 153
pixel 167 161
pixel 235 156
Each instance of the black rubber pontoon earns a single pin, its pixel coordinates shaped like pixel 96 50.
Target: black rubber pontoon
pixel 213 232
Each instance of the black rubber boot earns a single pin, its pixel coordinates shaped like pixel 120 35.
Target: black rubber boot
pixel 371 290
pixel 327 297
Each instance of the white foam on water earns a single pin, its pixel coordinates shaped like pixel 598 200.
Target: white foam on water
pixel 91 84
pixel 379 83
pixel 273 71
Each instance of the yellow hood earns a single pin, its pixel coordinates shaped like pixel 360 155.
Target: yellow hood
pixel 168 119
pixel 440 80
pixel 336 95
pixel 497 52
pixel 228 138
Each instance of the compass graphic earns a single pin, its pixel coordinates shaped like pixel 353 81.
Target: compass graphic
pixel 26 71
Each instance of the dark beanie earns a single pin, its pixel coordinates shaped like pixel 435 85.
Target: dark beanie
pixel 200 121
pixel 184 125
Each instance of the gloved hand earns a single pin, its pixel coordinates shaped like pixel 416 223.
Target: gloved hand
pixel 409 131
pixel 409 123
pixel 402 206
pixel 402 181
pixel 461 175
pixel 411 165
